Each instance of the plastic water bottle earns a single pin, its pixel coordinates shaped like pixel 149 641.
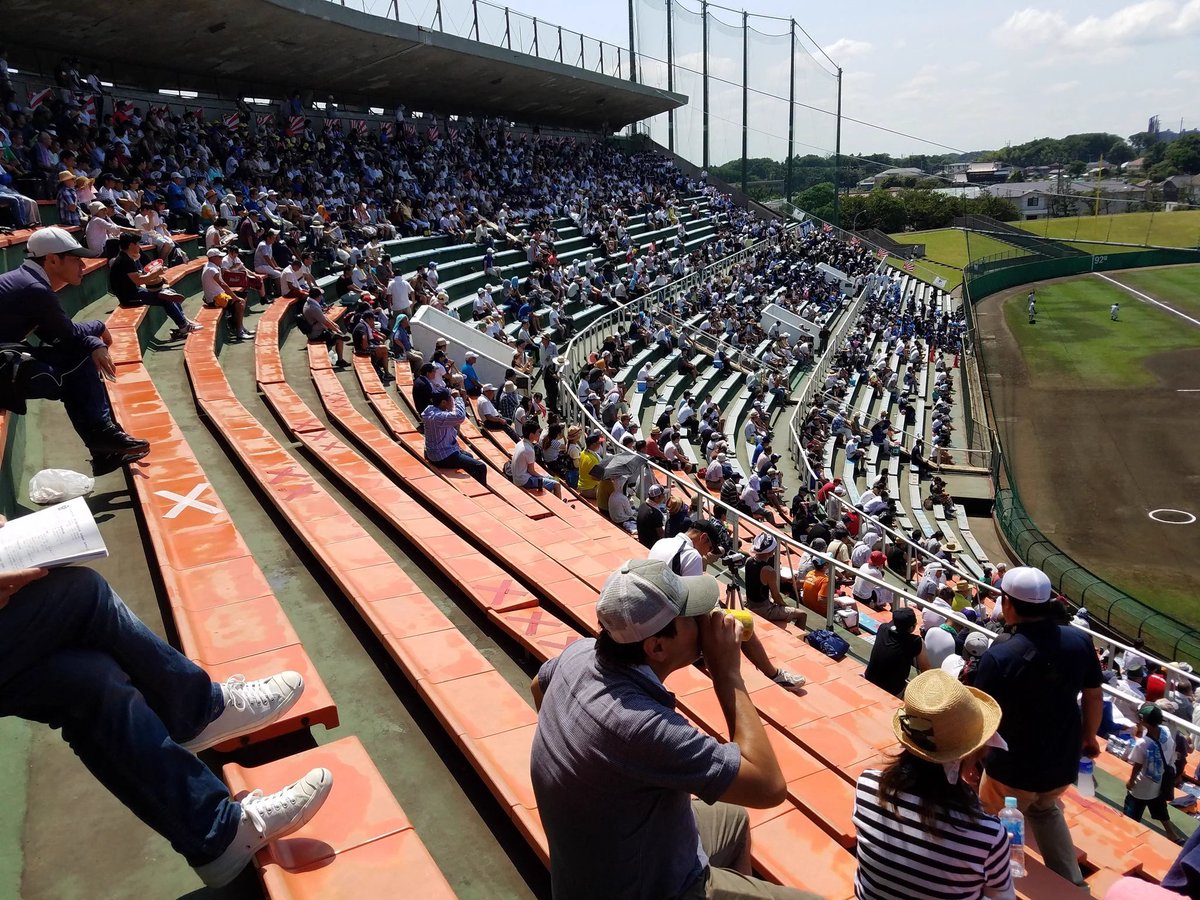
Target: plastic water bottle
pixel 1086 782
pixel 1014 824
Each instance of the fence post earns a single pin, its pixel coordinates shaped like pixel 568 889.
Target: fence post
pixel 560 56
pixel 632 48
pixel 475 18
pixel 535 39
pixel 507 30
pixel 745 91
pixel 830 604
pixel 791 151
pixel 580 63
pixel 602 57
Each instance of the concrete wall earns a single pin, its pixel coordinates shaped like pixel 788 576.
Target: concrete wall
pixel 789 323
pixel 429 324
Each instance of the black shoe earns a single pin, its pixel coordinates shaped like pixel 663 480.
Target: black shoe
pixel 341 364
pixel 112 439
pixel 103 463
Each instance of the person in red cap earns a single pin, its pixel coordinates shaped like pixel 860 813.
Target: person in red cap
pixel 71 360
pixel 868 592
pixel 1036 676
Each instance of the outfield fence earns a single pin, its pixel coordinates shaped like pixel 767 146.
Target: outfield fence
pixel 1163 635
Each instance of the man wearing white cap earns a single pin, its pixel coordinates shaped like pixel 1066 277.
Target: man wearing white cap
pixel 212 280
pixel 614 766
pixel 1036 676
pixel 59 368
pixel 102 232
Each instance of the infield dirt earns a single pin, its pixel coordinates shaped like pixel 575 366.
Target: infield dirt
pixel 1091 464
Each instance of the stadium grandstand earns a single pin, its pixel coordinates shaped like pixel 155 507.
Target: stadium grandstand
pixel 424 424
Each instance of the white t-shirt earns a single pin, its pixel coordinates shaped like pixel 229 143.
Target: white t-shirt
pixel 208 280
pixel 401 293
pixel 863 588
pixel 715 471
pixel 523 457
pixel 99 230
pixel 690 561
pixel 939 643
pixel 291 279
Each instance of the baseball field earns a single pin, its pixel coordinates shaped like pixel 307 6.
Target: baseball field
pixel 1101 422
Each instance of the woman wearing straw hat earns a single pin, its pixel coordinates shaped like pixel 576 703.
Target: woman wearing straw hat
pixel 921 830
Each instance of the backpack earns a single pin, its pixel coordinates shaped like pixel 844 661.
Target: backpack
pixel 18 369
pixel 832 645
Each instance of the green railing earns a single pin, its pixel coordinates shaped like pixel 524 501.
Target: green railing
pixel 1163 635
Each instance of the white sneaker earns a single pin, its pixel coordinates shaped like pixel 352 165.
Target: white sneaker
pixel 266 818
pixel 249 706
pixel 194 326
pixel 789 681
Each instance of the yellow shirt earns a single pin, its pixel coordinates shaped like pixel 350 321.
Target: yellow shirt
pixel 587 459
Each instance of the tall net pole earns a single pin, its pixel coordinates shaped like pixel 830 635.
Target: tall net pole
pixel 704 74
pixel 670 81
pixel 632 48
pixel 791 150
pixel 745 93
pixel 837 153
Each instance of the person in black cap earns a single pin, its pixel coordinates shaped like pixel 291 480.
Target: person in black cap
pixel 897 649
pixel 71 361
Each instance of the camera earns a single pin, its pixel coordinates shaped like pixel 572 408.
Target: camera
pixel 734 560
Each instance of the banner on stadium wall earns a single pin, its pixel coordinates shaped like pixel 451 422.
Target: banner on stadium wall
pixel 388 130
pixel 295 126
pixel 233 120
pixel 939 282
pixel 266 120
pixel 359 127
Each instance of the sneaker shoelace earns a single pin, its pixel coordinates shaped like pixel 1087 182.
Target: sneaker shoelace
pixel 257 806
pixel 254 695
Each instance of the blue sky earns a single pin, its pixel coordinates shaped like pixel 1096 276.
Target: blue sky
pixel 967 75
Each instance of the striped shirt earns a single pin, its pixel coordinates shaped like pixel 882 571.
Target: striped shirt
pixel 897 857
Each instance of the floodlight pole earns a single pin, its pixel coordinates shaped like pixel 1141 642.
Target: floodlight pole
pixel 439 15
pixel 837 153
pixel 670 80
pixel 632 46
pixel 704 73
pixel 791 116
pixel 745 91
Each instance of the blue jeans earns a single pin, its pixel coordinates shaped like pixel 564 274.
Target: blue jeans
pixel 73 656
pixel 459 459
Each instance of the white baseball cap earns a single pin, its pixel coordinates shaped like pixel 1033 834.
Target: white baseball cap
pixel 51 240
pixel 644 595
pixel 1026 583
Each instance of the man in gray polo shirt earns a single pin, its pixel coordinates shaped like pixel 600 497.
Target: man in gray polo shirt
pixel 614 766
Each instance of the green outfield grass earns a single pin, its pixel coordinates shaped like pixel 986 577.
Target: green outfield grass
pixel 949 246
pixel 1174 229
pixel 1177 286
pixel 1075 342
pixel 926 270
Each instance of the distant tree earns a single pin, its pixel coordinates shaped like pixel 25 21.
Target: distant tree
pixel 1161 171
pixel 1076 167
pixel 1120 152
pixel 995 207
pixel 817 200
pixel 885 211
pixel 1184 154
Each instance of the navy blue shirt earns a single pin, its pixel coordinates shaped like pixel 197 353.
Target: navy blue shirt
pixel 1036 676
pixel 28 306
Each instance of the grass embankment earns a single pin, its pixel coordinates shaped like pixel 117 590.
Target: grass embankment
pixel 1173 229
pixel 1075 342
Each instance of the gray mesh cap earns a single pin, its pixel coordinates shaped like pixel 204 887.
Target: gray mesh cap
pixel 641 597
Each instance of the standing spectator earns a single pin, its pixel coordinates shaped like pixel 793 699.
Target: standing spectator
pixel 1036 676
pixel 67 200
pixel 922 834
pixel 897 649
pixel 1152 777
pixel 442 418
pixel 610 742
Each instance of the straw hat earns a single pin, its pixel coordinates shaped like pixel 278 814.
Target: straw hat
pixel 943 720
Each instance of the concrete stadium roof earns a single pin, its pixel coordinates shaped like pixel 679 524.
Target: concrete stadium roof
pixel 272 47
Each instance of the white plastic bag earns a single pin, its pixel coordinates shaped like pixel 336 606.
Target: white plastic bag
pixel 58 485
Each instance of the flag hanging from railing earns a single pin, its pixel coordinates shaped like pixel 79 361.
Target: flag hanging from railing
pixel 452 133
pixel 87 113
pixel 827 228
pixel 122 110
pixel 233 120
pixel 881 254
pixel 388 130
pixel 37 98
pixel 295 126
pixel 433 132
pixel 410 129
pixel 910 266
pixel 266 120
pixel 854 241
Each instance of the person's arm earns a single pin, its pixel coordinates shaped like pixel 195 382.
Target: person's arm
pixel 759 782
pixel 1093 712
pixel 922 660
pixel 535 689
pixel 770 580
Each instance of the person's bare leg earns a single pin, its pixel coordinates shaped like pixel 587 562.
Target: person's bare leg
pixel 754 651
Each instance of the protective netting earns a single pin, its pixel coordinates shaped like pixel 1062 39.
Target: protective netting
pixel 759 52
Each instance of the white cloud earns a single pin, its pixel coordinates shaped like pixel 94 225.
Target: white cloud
pixel 1140 23
pixel 1187 75
pixel 1062 87
pixel 1189 19
pixel 846 48
pixel 1031 26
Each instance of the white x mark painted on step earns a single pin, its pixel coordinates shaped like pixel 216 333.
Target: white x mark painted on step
pixel 182 503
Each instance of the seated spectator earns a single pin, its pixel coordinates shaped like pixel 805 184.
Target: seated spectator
pixel 442 417
pixel 620 510
pixel 264 263
pixel 590 456
pixel 874 596
pixel 238 277
pixel 762 584
pixel 524 457
pixel 323 330
pixel 218 293
pixel 652 516
pixel 102 233
pixel 136 712
pixel 71 360
pixel 897 649
pixel 369 342
pixel 922 833
pixel 652 623
pixel 489 415
pixel 133 287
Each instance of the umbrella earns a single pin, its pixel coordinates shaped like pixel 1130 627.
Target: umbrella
pixel 627 464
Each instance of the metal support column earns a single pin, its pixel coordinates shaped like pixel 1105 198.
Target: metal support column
pixel 475 18
pixel 704 72
pixel 745 91
pixel 439 15
pixel 670 81
pixel 560 56
pixel 535 42
pixel 507 30
pixel 787 189
pixel 632 47
pixel 837 154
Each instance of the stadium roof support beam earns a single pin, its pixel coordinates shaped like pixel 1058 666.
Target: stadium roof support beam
pixel 268 48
